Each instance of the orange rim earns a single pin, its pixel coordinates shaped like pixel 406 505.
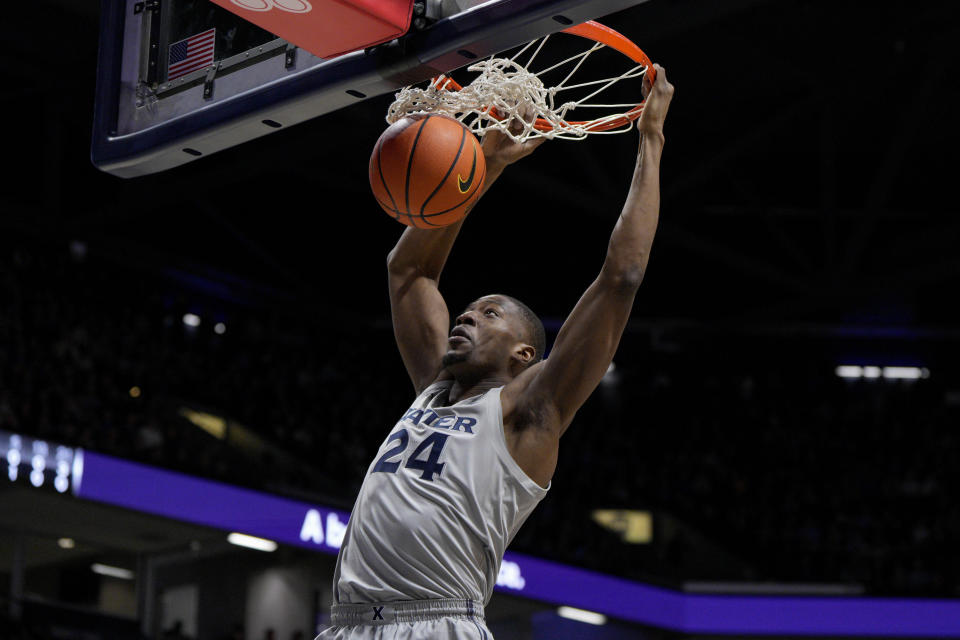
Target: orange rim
pixel 597 32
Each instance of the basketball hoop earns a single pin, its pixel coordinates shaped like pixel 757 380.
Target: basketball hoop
pixel 505 89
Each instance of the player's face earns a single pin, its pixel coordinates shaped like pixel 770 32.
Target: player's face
pixel 484 336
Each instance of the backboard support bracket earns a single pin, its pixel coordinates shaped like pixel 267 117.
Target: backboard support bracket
pixel 148 5
pixel 150 33
pixel 208 81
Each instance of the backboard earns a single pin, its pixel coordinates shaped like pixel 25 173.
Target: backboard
pixel 181 79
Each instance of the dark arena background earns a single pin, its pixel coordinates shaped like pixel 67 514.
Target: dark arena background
pixel 207 351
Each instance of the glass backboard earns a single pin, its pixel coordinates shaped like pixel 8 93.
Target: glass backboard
pixel 182 79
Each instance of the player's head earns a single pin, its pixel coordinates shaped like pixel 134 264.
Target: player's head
pixel 495 333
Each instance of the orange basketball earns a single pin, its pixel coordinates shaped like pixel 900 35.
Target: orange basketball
pixel 427 170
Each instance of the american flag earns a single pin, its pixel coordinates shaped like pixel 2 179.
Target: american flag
pixel 196 52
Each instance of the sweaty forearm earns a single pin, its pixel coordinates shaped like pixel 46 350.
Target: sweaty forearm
pixel 427 250
pixel 632 237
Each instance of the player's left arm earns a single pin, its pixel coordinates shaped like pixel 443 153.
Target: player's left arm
pixel 549 394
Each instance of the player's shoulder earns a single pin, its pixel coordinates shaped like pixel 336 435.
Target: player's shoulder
pixel 522 408
pixel 521 384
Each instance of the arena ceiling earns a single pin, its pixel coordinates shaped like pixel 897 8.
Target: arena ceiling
pixel 807 179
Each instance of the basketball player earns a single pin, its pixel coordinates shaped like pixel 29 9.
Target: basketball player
pixel 467 463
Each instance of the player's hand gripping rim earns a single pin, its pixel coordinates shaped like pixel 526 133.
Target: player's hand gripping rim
pixel 499 150
pixel 658 97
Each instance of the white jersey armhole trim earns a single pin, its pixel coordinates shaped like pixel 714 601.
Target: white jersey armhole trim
pixel 500 440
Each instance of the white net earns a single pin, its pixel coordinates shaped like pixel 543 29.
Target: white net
pixel 505 91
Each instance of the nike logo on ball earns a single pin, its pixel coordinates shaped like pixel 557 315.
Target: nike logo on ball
pixel 465 184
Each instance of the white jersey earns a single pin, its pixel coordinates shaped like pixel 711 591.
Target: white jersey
pixel 440 503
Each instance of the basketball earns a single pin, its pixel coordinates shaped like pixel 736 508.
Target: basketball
pixel 427 170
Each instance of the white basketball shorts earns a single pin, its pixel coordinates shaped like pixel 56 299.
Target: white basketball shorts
pixel 408 620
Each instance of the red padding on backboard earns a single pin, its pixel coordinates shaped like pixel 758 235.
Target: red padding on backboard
pixel 327 28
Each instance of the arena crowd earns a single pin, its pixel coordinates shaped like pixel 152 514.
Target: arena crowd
pixel 788 472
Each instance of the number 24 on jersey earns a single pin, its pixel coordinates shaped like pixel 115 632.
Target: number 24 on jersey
pixel 425 458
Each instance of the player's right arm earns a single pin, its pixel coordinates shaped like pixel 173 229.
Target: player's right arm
pixel 420 316
pixel 421 320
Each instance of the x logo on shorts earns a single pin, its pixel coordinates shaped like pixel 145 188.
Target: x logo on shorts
pixel 376 613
